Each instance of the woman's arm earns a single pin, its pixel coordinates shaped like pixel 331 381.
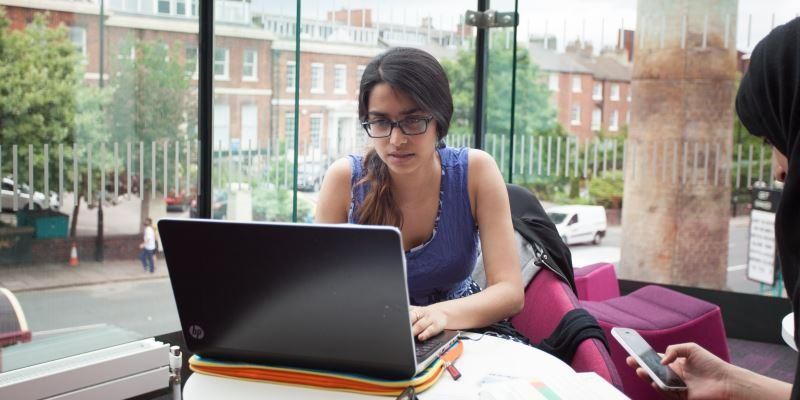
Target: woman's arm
pixel 503 296
pixel 334 195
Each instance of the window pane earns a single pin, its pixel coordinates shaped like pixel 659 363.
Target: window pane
pixel 108 139
pixel 163 6
pixel 249 126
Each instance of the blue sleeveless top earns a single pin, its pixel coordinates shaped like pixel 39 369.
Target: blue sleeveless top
pixel 440 268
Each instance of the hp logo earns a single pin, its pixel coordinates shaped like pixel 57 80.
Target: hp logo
pixel 196 332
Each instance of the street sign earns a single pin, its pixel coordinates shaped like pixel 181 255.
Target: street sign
pixel 762 263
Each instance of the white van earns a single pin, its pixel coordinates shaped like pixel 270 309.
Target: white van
pixel 579 223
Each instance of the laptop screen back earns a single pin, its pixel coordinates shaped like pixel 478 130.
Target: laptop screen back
pixel 329 297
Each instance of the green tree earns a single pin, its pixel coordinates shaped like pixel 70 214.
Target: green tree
pixel 38 76
pixel 534 115
pixel 151 103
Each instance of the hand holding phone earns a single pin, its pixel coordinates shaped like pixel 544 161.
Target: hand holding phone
pixel 648 359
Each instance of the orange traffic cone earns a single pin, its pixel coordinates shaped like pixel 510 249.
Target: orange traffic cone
pixel 73 255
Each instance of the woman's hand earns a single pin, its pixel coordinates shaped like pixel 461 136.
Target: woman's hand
pixel 706 375
pixel 427 322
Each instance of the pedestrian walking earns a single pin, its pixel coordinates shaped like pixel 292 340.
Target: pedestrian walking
pixel 148 246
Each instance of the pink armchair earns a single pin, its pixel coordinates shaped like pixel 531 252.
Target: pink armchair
pixel 547 299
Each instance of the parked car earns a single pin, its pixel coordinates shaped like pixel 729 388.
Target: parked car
pixel 24 197
pixel 579 223
pixel 177 203
pixel 309 176
pixel 219 206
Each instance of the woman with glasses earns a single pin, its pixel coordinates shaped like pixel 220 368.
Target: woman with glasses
pixel 438 196
pixel 768 104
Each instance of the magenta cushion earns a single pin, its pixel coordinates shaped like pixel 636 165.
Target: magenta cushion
pixel 596 282
pixel 663 317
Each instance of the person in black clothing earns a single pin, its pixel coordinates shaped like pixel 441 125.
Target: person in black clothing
pixel 768 104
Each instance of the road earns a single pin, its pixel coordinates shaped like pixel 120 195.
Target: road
pixel 145 307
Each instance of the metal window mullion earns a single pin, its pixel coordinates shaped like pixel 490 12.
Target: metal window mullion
pixel 614 157
pixel 153 169
pixel 605 157
pixel 577 156
pixel 165 164
pixel 116 170
pixel 750 167
pixel 141 169
pixel 60 174
pixel 128 164
pixel 47 175
pixel 739 165
pixel 186 177
pixel 15 176
pixel 558 156
pixel 30 177
pixel 177 167
pixel 88 173
pixel 75 174
pixel 585 159
pixel 102 174
pixel 539 156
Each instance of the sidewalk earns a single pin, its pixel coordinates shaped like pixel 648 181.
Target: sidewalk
pixel 51 276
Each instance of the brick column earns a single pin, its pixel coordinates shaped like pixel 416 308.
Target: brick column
pixel 676 205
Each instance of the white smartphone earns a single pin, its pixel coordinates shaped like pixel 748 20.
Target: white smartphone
pixel 648 359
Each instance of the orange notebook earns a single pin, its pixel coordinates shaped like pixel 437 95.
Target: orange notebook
pixel 327 379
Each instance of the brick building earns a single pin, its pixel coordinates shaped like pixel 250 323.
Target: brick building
pixel 590 93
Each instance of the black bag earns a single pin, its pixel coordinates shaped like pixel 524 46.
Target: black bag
pixel 532 222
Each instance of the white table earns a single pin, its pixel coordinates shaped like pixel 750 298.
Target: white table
pixel 489 359
pixel 787 330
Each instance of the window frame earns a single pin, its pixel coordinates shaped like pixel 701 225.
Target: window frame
pixel 82 47
pixel 613 121
pixel 253 77
pixel 597 125
pixel 245 144
pixel 577 84
pixel 226 64
pixel 315 141
pixel 340 72
pixel 319 87
pixel 572 112
pixel 597 90
pixel 614 91
pixel 291 76
pixel 157 7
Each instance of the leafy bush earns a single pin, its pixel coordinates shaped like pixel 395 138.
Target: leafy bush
pixel 606 190
pixel 270 204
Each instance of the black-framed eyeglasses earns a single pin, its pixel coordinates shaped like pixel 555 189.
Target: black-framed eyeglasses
pixel 410 126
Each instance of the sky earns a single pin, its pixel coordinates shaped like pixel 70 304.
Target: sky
pixel 594 20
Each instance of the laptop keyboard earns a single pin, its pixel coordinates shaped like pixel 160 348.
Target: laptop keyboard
pixel 426 348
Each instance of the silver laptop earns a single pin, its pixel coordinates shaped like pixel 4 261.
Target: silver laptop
pixel 329 297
